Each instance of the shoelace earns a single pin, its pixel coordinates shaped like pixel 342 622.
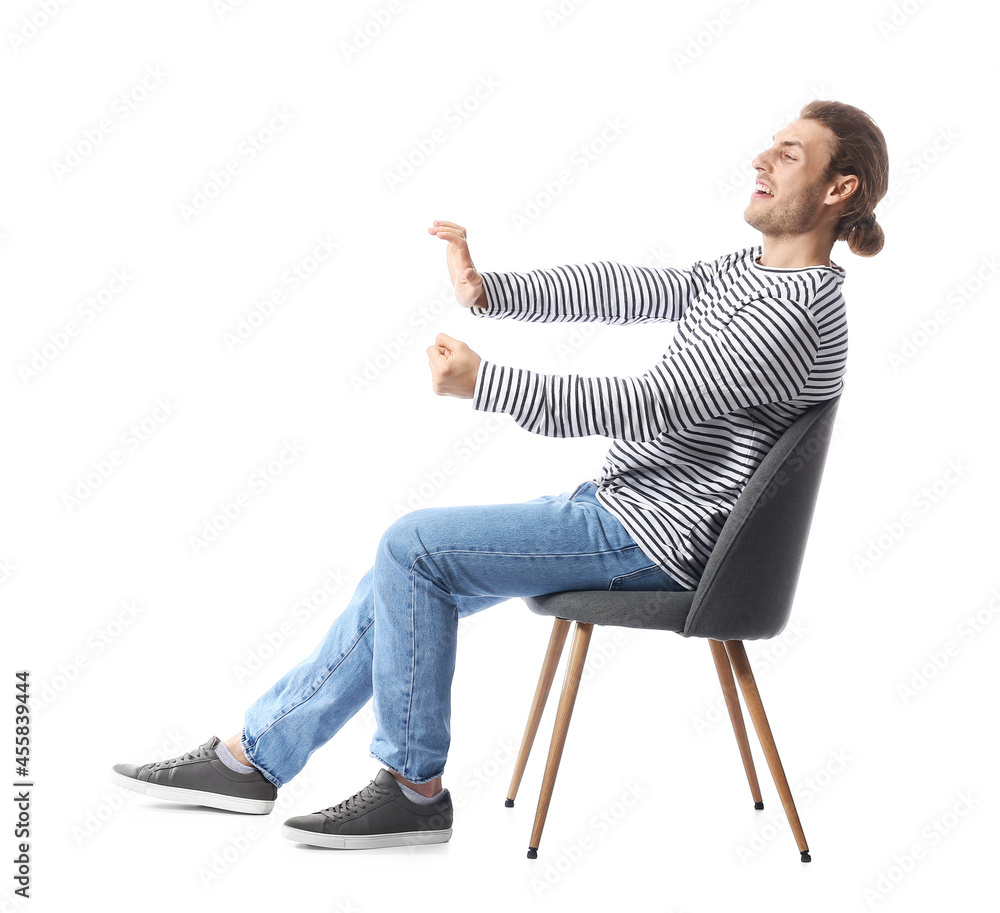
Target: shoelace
pixel 197 754
pixel 356 803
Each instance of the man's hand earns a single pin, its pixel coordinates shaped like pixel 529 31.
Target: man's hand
pixel 454 367
pixel 468 283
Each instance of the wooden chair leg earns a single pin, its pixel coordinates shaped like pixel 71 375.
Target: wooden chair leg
pixel 574 670
pixel 741 666
pixel 725 671
pixel 556 640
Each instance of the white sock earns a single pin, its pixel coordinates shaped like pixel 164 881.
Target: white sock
pixel 420 799
pixel 226 756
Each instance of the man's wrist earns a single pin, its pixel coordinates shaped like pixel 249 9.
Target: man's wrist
pixel 483 305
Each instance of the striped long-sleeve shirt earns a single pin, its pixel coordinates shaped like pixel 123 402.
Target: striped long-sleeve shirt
pixel 753 347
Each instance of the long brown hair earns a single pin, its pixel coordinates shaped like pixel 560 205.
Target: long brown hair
pixel 859 149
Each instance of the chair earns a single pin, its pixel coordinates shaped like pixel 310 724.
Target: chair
pixel 745 593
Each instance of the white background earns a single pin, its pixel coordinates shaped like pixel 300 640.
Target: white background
pixel 896 787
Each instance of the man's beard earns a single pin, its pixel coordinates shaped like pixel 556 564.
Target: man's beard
pixel 787 218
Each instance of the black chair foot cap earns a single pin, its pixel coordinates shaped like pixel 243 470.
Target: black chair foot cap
pixel 508 803
pixel 758 805
pixel 532 852
pixel 806 857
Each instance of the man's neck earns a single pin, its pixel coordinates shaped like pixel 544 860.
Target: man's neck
pixel 795 252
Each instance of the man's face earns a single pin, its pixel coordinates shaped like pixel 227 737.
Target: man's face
pixel 792 170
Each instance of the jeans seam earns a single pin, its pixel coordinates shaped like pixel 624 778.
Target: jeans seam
pixel 413 670
pixel 469 551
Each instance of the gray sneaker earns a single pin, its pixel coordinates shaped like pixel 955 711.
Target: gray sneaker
pixel 379 815
pixel 199 777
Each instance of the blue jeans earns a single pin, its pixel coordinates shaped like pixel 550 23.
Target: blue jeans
pixel 396 639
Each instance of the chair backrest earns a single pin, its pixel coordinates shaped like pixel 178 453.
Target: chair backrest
pixel 749 582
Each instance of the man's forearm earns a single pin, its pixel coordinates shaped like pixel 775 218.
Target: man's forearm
pixel 605 291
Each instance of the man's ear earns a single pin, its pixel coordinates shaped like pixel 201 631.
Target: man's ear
pixel 845 185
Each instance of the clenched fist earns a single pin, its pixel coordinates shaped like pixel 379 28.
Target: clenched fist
pixel 454 367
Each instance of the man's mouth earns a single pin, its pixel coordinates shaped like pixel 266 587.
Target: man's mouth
pixel 761 191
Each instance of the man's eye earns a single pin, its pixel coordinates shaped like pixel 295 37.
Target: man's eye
pixel 790 157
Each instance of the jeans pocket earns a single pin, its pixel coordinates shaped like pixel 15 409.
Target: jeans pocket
pixel 646 578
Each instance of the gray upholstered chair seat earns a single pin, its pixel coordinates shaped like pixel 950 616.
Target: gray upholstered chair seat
pixel 662 610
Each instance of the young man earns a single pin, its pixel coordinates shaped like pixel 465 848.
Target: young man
pixel 761 334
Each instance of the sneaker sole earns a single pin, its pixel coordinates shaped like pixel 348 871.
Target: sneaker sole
pixel 194 796
pixel 364 841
